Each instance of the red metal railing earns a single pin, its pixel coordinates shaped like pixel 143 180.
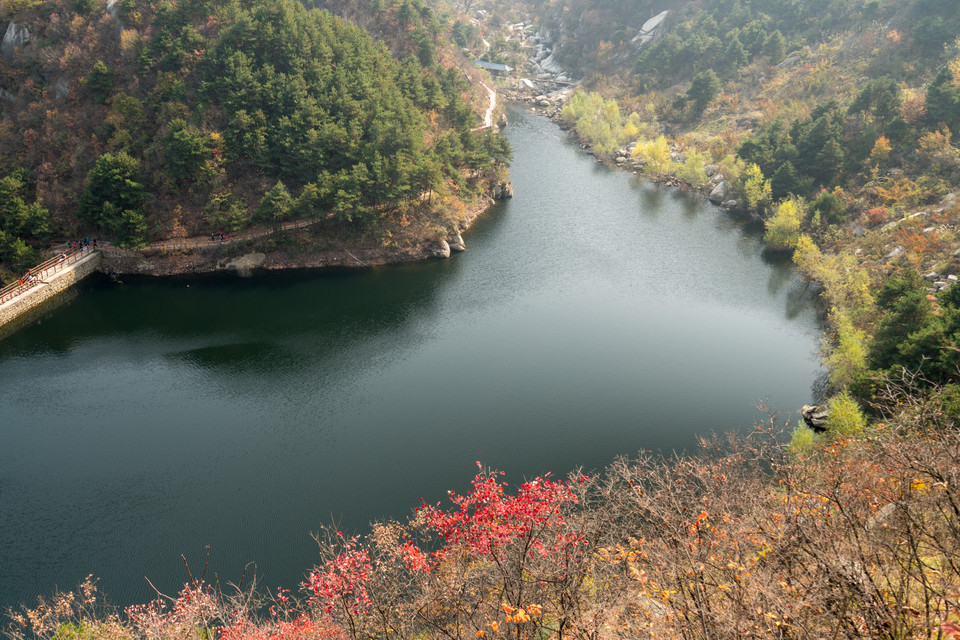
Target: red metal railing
pixel 35 276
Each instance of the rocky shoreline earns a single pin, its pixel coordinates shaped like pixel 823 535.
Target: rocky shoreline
pixel 718 190
pixel 246 257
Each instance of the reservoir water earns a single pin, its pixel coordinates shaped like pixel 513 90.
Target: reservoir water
pixel 593 315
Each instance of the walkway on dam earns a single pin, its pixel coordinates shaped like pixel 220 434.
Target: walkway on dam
pixel 46 281
pixel 41 274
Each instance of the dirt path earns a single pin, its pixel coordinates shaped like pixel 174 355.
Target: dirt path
pixel 204 241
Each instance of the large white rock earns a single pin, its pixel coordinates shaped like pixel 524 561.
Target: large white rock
pixel 550 65
pixel 651 29
pixel 439 249
pixel 719 192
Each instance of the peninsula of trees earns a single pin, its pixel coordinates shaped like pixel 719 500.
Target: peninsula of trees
pixel 146 119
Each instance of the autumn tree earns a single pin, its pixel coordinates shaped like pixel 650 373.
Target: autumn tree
pixel 783 228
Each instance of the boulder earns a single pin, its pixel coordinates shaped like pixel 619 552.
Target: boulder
pixel 503 190
pixel 896 252
pixel 711 170
pixel 933 275
pixel 439 249
pixel 815 416
pixel 730 205
pixel 719 192
pixel 456 243
pixel 789 61
pixel 888 515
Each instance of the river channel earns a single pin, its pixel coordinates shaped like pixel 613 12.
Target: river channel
pixel 593 315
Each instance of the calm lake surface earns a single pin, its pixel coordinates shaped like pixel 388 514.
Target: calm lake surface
pixel 592 315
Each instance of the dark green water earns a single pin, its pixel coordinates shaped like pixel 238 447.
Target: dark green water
pixel 592 315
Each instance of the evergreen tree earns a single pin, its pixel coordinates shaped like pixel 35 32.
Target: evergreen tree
pixel 735 54
pixel 943 98
pixel 113 198
pixel 703 89
pixel 99 81
pixel 775 47
pixel 276 205
pixel 784 181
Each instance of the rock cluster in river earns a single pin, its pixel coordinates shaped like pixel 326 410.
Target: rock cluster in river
pixel 548 85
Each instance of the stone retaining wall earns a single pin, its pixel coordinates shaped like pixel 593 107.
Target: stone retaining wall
pixel 20 307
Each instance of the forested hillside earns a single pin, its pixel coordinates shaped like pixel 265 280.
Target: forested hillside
pixel 150 119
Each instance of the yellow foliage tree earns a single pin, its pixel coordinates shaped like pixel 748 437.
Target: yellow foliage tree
pixel 692 171
pixel 656 155
pixel 783 229
pixel 756 188
pixel 846 285
pixel 881 150
pixel 848 355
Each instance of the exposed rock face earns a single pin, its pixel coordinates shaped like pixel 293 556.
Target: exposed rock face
pixel 719 192
pixel 815 417
pixel 503 190
pixel 16 36
pixel 61 87
pixel 651 29
pixel 114 12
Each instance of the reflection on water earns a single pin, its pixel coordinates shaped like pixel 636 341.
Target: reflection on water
pixel 593 315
